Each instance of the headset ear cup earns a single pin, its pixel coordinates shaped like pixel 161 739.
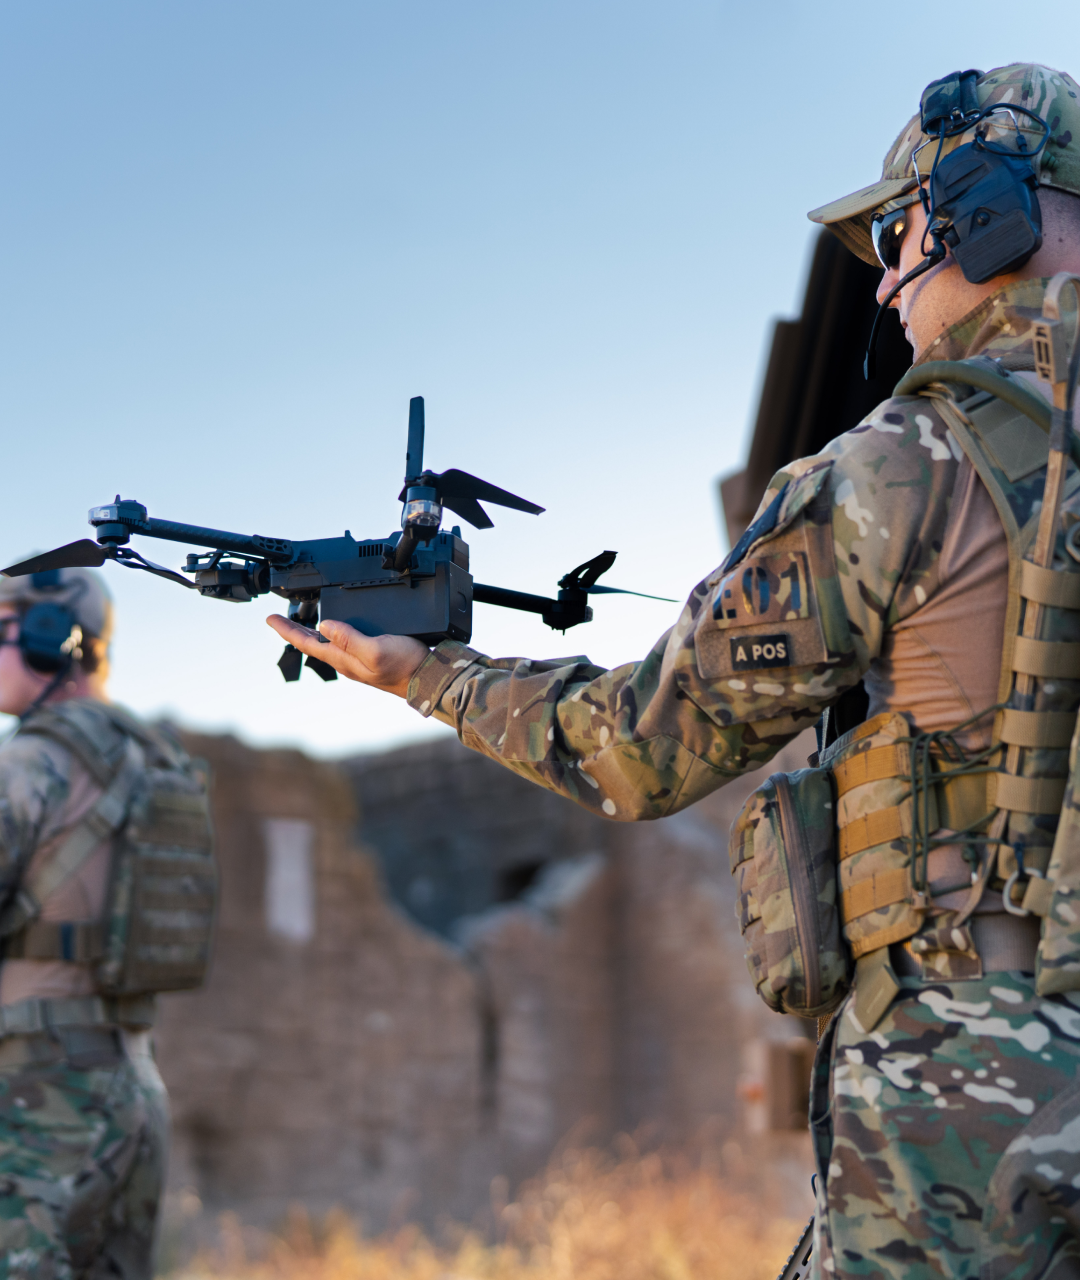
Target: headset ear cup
pixel 987 210
pixel 48 637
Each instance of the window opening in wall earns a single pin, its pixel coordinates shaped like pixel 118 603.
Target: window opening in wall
pixel 515 882
pixel 290 878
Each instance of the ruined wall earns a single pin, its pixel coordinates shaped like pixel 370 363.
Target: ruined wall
pixel 336 1069
pixel 586 978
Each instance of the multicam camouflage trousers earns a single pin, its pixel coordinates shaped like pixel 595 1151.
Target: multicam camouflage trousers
pixel 948 1139
pixel 83 1136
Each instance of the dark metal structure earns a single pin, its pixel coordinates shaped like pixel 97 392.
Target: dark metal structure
pixel 814 388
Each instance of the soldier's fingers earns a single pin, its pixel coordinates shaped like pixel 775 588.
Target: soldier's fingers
pixel 307 641
pixel 386 662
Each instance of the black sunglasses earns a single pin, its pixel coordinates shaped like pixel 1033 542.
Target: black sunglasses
pixel 887 233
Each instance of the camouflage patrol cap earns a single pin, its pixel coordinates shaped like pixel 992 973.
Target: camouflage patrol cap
pixel 83 591
pixel 1050 94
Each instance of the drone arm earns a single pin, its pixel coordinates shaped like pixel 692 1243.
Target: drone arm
pixel 132 560
pixel 511 599
pixel 277 549
pixel 569 610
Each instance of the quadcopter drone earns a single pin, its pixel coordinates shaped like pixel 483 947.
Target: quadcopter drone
pixel 416 582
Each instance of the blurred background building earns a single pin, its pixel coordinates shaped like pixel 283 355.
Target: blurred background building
pixel 430 973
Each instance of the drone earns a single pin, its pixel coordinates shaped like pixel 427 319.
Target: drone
pixel 415 582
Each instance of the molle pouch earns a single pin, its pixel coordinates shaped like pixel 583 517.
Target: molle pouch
pixel 871 769
pixel 783 857
pixel 159 922
pixel 1056 897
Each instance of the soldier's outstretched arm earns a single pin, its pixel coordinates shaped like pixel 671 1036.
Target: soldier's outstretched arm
pixel 845 544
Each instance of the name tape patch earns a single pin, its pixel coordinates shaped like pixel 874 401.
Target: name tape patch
pixel 752 653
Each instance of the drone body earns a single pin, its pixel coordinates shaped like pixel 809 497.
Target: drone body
pixel 415 582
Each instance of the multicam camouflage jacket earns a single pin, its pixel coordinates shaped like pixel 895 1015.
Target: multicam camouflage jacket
pixel 36 804
pixel 861 525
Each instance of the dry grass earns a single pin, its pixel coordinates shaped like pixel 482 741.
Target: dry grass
pixel 588 1218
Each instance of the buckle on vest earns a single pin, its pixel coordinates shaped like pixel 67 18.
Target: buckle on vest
pixel 1007 900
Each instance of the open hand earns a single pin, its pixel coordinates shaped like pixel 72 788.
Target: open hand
pixel 385 662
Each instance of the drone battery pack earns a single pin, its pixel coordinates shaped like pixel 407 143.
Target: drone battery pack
pixel 431 607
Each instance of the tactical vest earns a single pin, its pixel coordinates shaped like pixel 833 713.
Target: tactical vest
pixel 157 926
pixel 888 791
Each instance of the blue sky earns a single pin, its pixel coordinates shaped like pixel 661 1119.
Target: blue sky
pixel 236 237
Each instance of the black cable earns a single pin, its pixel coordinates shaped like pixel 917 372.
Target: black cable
pixel 931 260
pixel 49 689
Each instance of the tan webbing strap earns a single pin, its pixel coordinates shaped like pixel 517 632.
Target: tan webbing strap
pixel 1026 795
pixel 1038 899
pixel 881 890
pixel 957 804
pixel 1037 728
pixel 878 827
pixel 103 821
pixel 1050 659
pixel 893 761
pixel 875 986
pixel 1051 587
pixel 897 932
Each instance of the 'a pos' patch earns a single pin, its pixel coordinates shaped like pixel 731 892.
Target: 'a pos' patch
pixel 753 653
pixel 764 615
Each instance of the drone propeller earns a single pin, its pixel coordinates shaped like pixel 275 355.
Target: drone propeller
pixel 460 491
pixel 292 659
pixel 84 554
pixel 584 577
pixel 426 493
pixel 290 663
pixel 622 591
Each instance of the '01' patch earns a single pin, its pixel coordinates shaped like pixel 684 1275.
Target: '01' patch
pixel 752 653
pixel 764 589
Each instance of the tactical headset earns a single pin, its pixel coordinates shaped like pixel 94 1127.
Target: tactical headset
pixel 981 199
pixel 50 636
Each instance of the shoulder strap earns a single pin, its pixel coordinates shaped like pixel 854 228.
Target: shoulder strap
pixel 983 376
pixel 170 753
pixel 104 820
pixel 50 722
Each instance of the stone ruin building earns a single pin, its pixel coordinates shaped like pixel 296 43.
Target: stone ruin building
pixel 429 973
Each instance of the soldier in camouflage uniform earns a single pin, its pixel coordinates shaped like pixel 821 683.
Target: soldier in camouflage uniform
pixel 83 1111
pixel 948 1135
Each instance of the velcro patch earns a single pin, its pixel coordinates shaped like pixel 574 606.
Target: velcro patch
pixel 752 653
pixel 763 589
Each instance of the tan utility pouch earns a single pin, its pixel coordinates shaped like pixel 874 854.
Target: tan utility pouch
pixel 881 814
pixel 783 857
